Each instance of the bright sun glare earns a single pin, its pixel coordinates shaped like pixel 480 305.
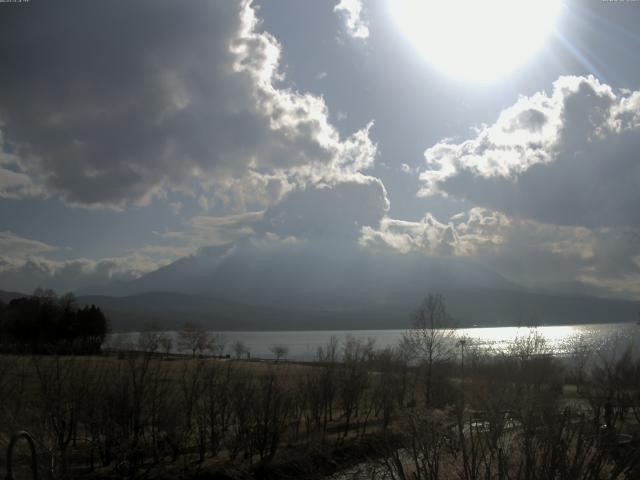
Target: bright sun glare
pixel 476 40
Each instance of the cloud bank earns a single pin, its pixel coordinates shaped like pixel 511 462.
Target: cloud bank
pixel 26 264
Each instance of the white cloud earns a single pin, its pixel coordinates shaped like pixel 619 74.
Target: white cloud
pixel 351 10
pixel 569 158
pixel 14 182
pixel 463 235
pixel 16 247
pixel 204 231
pixel 604 261
pixel 168 252
pixel 406 168
pixel 68 275
pixel 25 264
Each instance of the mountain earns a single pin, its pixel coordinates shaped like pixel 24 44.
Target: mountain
pixel 268 287
pixel 482 307
pixel 467 307
pixel 305 276
pixel 169 310
pixel 6 297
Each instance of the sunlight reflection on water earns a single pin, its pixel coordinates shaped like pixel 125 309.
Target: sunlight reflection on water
pixel 303 345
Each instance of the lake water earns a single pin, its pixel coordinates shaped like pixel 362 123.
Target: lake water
pixel 303 345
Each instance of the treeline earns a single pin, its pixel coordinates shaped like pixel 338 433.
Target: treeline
pixel 47 323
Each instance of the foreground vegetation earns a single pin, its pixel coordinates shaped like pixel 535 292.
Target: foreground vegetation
pixel 434 407
pixel 510 416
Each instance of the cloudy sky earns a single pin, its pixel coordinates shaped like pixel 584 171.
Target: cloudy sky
pixel 135 133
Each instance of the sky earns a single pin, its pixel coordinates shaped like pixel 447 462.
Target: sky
pixel 133 134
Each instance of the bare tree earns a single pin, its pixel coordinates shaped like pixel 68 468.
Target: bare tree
pixel 279 351
pixel 192 387
pixel 166 343
pixel 327 356
pixel 272 402
pixel 61 385
pixel 242 394
pixel 353 378
pixel 217 344
pixel 239 348
pixel 216 403
pixel 419 448
pixel 432 337
pixel 194 338
pixel 149 341
pixel 328 353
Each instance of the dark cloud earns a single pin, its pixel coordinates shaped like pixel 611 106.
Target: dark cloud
pixel 322 213
pixel 113 103
pixel 592 188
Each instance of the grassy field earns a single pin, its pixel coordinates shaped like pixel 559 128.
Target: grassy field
pixel 146 415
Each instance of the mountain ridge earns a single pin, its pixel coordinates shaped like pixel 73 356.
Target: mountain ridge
pixel 249 286
pixel 170 310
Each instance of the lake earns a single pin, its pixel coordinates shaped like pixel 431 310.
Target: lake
pixel 303 345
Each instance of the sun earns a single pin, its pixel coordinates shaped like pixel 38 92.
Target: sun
pixel 476 40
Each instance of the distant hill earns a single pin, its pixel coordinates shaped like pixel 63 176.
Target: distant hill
pixel 250 286
pixel 6 297
pixel 520 308
pixel 302 276
pixel 170 311
pixel 468 308
pixel 482 307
